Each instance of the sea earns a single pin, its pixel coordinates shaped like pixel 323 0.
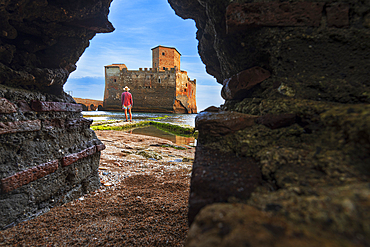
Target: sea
pixel 183 119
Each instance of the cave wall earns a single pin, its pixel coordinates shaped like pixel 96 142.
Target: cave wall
pixel 49 155
pixel 285 160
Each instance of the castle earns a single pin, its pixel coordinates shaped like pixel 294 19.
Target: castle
pixel 162 88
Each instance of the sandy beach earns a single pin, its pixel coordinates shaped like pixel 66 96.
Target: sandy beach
pixel 143 199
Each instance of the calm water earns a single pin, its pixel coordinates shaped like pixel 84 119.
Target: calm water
pixel 188 119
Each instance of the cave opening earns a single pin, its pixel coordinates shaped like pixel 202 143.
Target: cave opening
pixel 139 27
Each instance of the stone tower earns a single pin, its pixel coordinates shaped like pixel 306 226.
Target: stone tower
pixel 163 88
pixel 165 57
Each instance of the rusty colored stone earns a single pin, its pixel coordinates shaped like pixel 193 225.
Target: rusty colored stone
pixel 49 124
pixel 249 15
pixel 6 106
pixel 277 121
pixel 222 122
pixel 337 15
pixel 78 122
pixel 218 177
pixel 24 106
pixel 70 159
pixel 25 177
pixel 212 109
pixel 100 147
pixel 42 106
pixel 238 85
pixel 20 126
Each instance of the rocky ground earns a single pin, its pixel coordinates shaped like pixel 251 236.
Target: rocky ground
pixel 143 200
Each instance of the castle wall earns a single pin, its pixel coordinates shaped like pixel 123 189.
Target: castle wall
pixel 163 88
pixel 152 90
pixel 185 93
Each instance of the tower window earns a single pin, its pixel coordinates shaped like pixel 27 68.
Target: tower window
pixel 162 53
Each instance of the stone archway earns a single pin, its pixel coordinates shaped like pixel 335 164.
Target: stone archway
pixel 292 137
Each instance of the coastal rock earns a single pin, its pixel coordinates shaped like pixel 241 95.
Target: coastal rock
pixel 310 134
pixel 222 123
pixel 220 177
pixel 238 85
pixel 244 16
pixel 277 121
pixel 41 41
pixel 241 225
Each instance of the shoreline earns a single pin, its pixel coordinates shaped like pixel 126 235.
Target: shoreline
pixel 142 201
pixel 176 129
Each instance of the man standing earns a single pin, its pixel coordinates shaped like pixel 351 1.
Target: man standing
pixel 127 102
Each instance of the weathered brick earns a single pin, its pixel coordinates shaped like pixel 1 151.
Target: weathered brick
pixel 222 122
pixel 49 124
pixel 238 85
pixel 6 106
pixel 42 106
pixel 20 126
pixel 337 15
pixel 243 16
pixel 24 106
pixel 100 147
pixel 277 121
pixel 70 159
pixel 25 177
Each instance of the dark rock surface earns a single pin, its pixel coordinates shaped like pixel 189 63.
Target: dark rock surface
pixel 326 59
pixel 33 145
pixel 40 43
pixel 226 177
pixel 310 134
pixel 302 132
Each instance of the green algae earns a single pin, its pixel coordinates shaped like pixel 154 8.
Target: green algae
pixel 105 126
pixel 159 118
pixel 173 146
pixel 181 130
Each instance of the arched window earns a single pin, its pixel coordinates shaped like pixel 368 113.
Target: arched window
pixel 159 80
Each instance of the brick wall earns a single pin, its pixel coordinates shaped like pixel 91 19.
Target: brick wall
pixel 165 57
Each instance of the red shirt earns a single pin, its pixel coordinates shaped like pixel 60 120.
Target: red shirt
pixel 126 99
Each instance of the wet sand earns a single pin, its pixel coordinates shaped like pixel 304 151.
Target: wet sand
pixel 143 200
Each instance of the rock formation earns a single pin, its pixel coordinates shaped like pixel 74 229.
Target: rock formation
pixel 49 155
pixel 285 160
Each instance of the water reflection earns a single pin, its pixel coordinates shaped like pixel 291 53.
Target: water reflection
pixel 153 131
pixel 188 119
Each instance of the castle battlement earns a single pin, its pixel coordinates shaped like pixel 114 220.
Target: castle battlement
pixel 162 88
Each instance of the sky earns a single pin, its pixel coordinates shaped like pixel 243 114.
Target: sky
pixel 140 26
